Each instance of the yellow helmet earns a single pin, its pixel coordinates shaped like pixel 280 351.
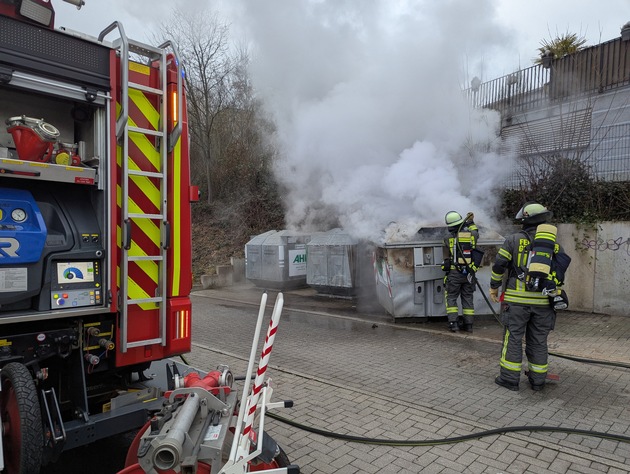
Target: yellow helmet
pixel 453 218
pixel 533 213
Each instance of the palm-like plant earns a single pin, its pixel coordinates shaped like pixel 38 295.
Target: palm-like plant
pixel 567 43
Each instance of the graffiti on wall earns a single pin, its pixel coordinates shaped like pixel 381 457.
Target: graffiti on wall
pixel 619 244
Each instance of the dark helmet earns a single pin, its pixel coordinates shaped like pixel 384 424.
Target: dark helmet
pixel 533 213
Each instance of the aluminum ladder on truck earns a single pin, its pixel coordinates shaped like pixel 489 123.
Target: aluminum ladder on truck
pixel 130 212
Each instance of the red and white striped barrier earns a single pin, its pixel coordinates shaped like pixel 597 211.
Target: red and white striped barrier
pixel 240 453
pixel 252 402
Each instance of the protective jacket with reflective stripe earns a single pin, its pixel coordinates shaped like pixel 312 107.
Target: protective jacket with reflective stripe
pixel 512 257
pixel 460 245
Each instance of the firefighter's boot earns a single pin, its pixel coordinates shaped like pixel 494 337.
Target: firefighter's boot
pixel 468 327
pixel 536 387
pixel 460 323
pixel 453 326
pixel 504 383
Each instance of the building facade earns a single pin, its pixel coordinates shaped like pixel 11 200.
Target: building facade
pixel 576 107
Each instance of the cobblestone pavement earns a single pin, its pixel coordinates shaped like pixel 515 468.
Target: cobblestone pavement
pixel 350 369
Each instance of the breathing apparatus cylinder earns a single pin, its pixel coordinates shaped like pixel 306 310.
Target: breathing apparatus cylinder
pixel 540 257
pixel 464 257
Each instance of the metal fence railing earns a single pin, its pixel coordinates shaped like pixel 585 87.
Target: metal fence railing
pixel 595 69
pixel 573 80
pixel 518 91
pixel 609 153
pixel 607 157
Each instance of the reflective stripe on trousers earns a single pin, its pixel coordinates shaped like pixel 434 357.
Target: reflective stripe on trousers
pixel 534 323
pixel 456 285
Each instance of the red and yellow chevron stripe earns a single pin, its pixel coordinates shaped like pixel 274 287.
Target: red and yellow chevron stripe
pixel 144 197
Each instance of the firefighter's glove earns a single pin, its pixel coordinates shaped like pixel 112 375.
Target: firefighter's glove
pixel 560 300
pixel 446 265
pixel 470 218
pixel 494 295
pixel 472 279
pixel 549 288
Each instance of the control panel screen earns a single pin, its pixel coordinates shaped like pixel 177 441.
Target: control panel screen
pixel 78 283
pixel 69 273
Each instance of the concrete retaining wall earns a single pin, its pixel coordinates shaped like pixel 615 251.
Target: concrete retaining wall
pixel 598 277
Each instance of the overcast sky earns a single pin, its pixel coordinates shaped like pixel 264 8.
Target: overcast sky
pixel 526 22
pixel 366 94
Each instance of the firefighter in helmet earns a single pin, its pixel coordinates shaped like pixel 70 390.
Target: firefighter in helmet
pixel 460 268
pixel 534 265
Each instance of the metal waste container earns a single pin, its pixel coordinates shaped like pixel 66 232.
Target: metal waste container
pixel 337 264
pixel 277 259
pixel 409 278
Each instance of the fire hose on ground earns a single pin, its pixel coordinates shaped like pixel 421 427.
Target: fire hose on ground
pixel 472 436
pixel 451 440
pixel 468 437
pixel 458 439
pixel 556 354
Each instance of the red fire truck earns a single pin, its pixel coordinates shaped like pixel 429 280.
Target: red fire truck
pixel 95 250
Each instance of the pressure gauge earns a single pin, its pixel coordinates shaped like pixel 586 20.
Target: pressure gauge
pixel 18 215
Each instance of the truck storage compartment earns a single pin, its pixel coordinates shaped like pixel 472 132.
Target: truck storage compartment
pixel 51 249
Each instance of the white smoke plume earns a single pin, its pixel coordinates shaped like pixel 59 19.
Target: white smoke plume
pixel 373 126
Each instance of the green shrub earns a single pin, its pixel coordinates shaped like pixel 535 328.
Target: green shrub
pixel 566 187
